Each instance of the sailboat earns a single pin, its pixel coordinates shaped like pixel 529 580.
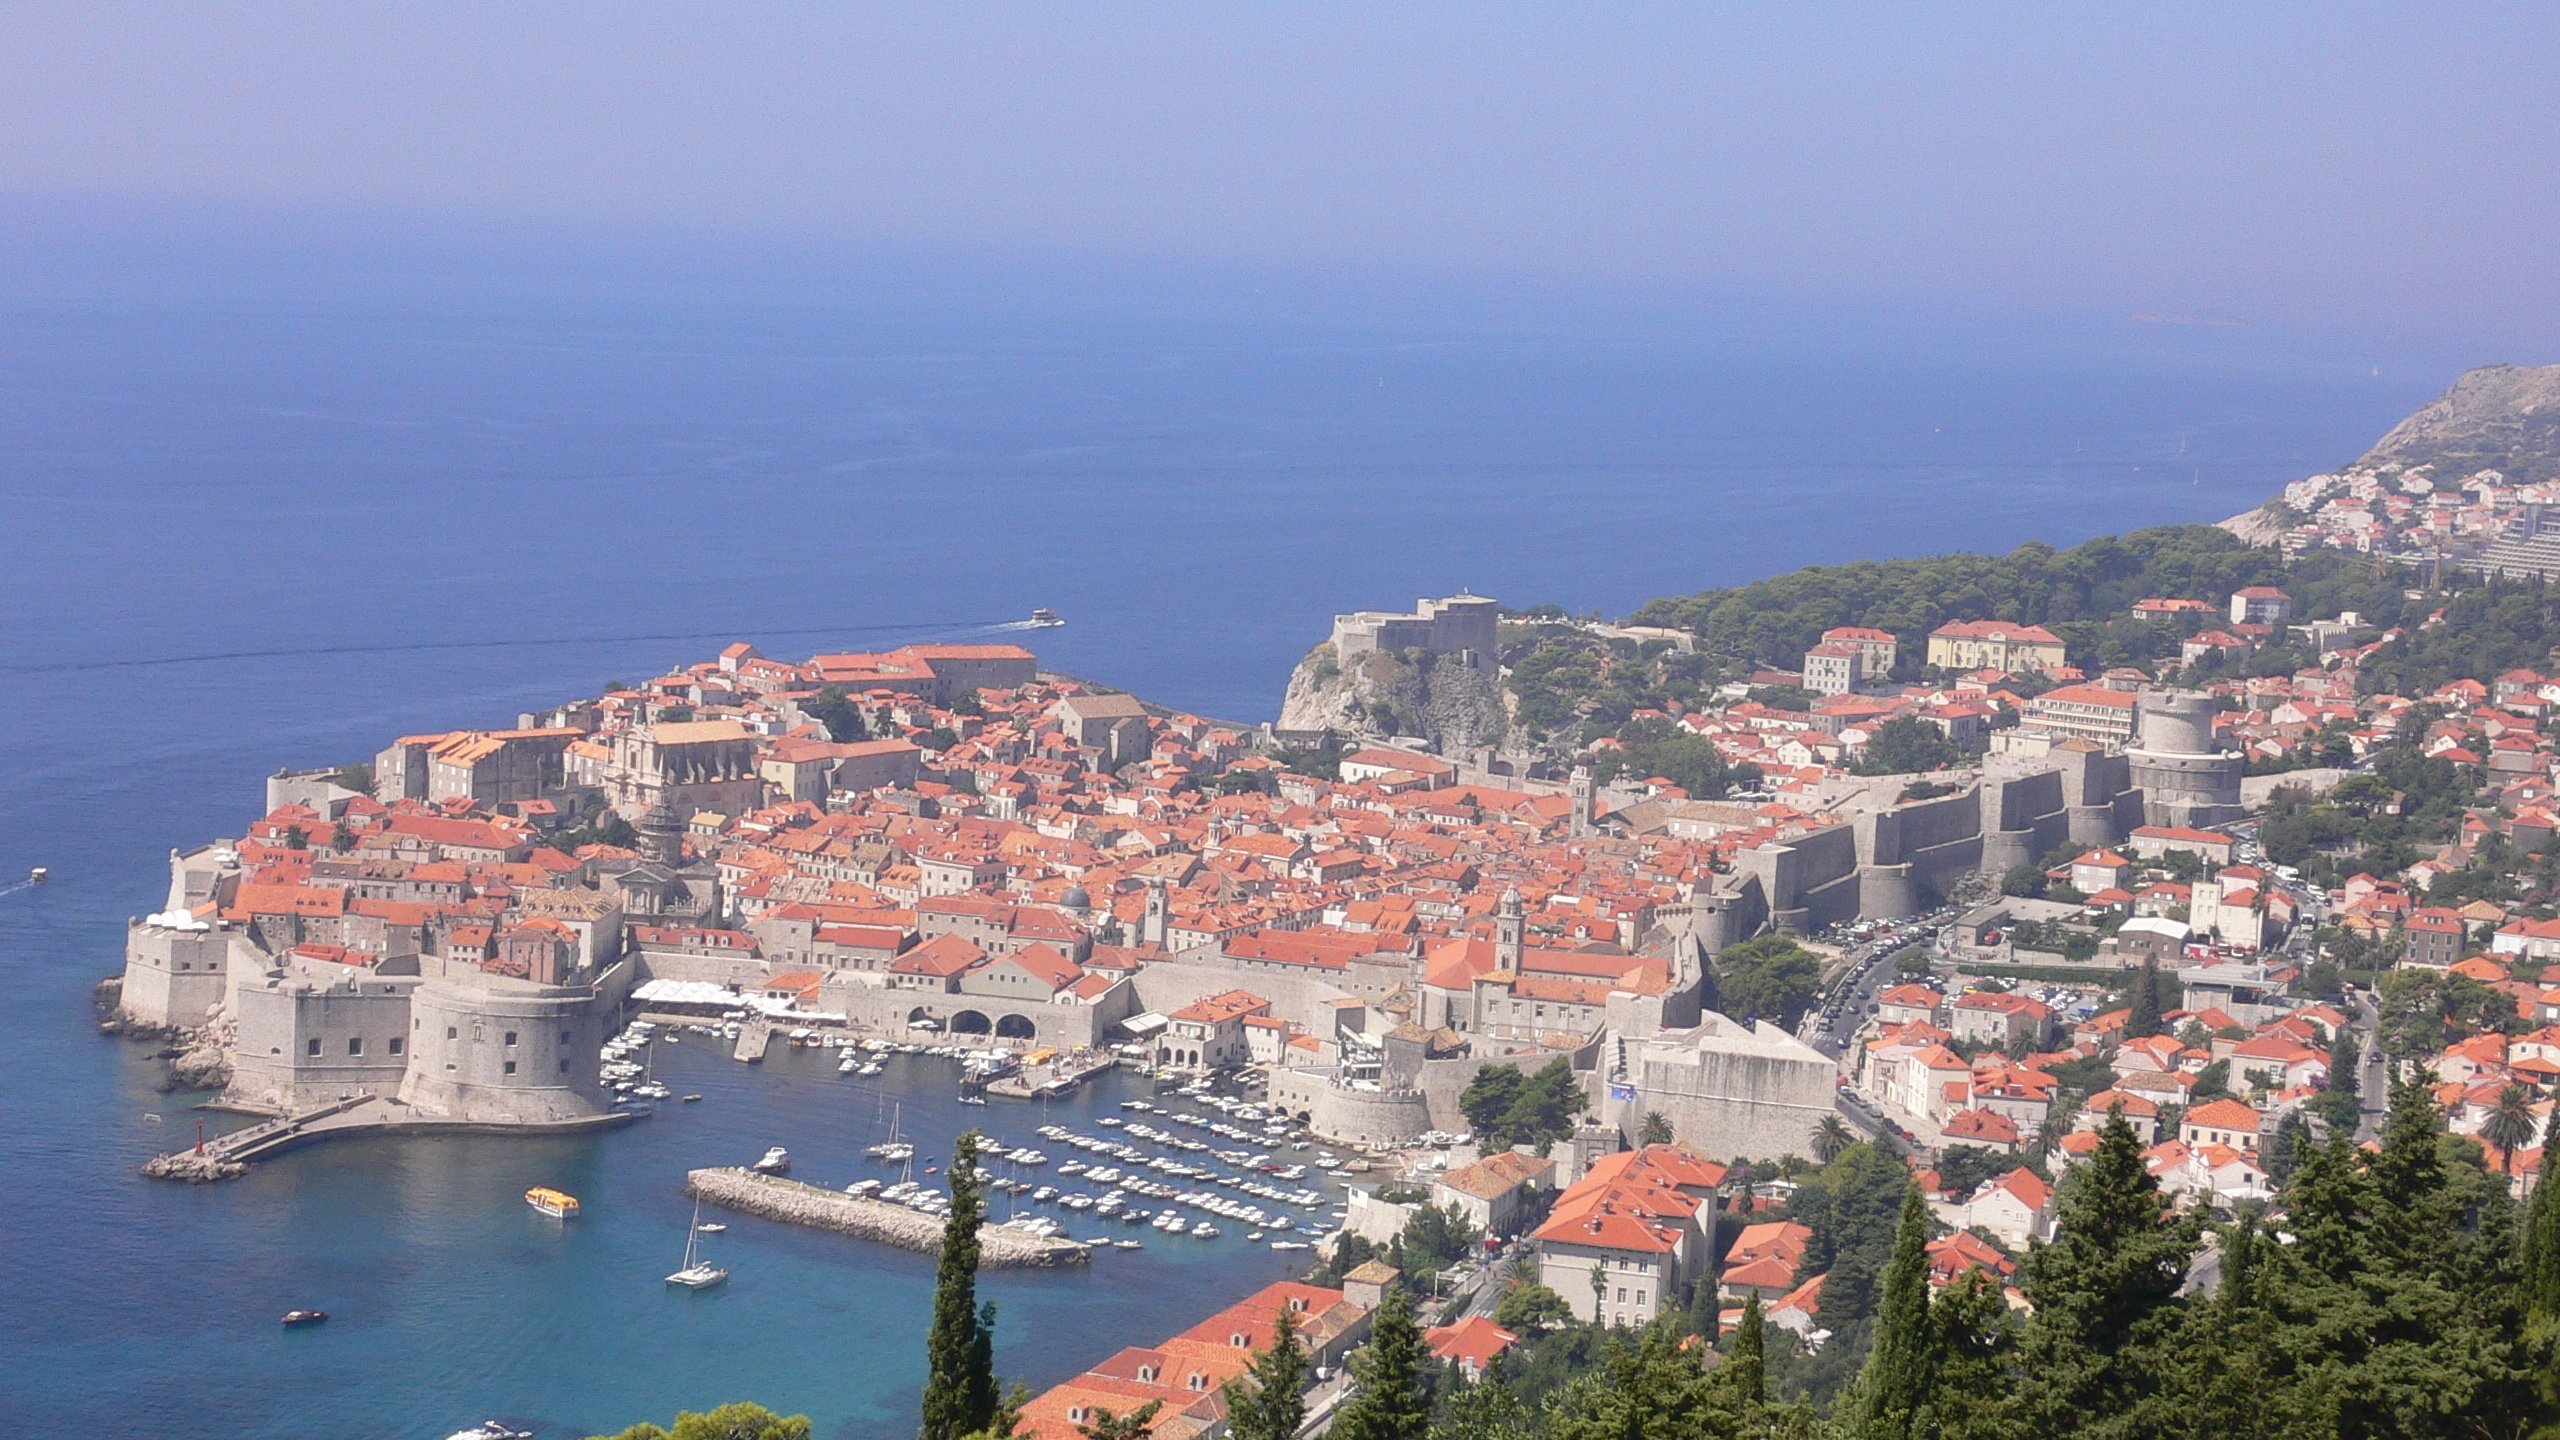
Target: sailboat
pixel 698 1273
pixel 893 1149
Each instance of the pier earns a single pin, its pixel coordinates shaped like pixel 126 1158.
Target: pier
pixel 226 1157
pixel 770 1197
pixel 754 1038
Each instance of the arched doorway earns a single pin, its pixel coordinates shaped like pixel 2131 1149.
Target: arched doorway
pixel 931 1020
pixel 970 1022
pixel 1016 1027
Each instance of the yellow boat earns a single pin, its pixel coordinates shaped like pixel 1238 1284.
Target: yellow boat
pixel 558 1204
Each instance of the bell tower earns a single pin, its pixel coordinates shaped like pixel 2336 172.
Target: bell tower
pixel 1510 941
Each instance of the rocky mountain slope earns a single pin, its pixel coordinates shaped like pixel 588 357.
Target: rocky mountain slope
pixel 2496 417
pixel 2493 417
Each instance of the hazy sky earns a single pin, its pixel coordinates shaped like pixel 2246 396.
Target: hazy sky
pixel 2263 162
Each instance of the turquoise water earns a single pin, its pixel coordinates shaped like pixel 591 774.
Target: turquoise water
pixel 1196 500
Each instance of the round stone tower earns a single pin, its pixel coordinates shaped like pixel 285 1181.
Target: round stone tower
pixel 2185 775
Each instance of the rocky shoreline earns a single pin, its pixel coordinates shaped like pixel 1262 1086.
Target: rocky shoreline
pixel 770 1197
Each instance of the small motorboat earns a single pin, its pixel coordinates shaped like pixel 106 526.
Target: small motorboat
pixel 304 1317
pixel 776 1161
pixel 711 1227
pixel 558 1204
pixel 491 1430
pixel 692 1099
pixel 39 875
pixel 1044 618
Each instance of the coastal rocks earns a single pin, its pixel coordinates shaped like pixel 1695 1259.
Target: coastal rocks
pixel 771 1197
pixel 200 1066
pixel 193 1167
pixel 2262 526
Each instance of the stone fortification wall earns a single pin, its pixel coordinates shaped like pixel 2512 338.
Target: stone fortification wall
pixel 1345 1114
pixel 1897 861
pixel 1759 1099
pixel 302 1041
pixel 1939 841
pixel 177 976
pixel 2022 818
pixel 506 1051
pixel 1302 997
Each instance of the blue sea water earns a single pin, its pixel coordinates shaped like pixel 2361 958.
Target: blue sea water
pixel 201 477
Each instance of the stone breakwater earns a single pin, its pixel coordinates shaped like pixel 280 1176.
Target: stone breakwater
pixel 771 1197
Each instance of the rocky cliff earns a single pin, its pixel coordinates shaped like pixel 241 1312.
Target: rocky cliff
pixel 1381 694
pixel 2493 417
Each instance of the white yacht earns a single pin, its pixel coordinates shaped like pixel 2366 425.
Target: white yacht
pixel 697 1273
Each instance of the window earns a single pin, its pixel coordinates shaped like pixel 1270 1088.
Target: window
pixel 1639 1297
pixel 355 1044
pixel 451 1034
pixel 511 1067
pixel 564 1037
pixel 315 1046
pixel 1622 1294
pixel 399 1043
pixel 511 1039
pixel 564 1064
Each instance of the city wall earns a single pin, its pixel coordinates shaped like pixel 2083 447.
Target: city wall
pixel 1899 861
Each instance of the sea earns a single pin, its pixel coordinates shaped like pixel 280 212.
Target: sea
pixel 244 532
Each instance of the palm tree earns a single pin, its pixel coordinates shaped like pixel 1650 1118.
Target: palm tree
pixel 2510 1127
pixel 1830 1138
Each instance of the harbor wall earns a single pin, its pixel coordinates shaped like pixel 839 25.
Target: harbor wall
pixel 771 1197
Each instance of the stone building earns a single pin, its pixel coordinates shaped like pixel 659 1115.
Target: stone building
pixel 685 765
pixel 1994 645
pixel 1462 627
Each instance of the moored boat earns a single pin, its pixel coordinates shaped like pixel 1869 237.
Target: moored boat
pixel 776 1161
pixel 304 1317
pixel 697 1272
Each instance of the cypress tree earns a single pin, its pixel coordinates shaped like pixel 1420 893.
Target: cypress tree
pixel 2346 1053
pixel 2416 1217
pixel 2104 1293
pixel 1487 1410
pixel 960 1395
pixel 1269 1401
pixel 1746 1360
pixel 2145 1020
pixel 2540 1257
pixel 1972 1385
pixel 1391 1395
pixel 1898 1376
